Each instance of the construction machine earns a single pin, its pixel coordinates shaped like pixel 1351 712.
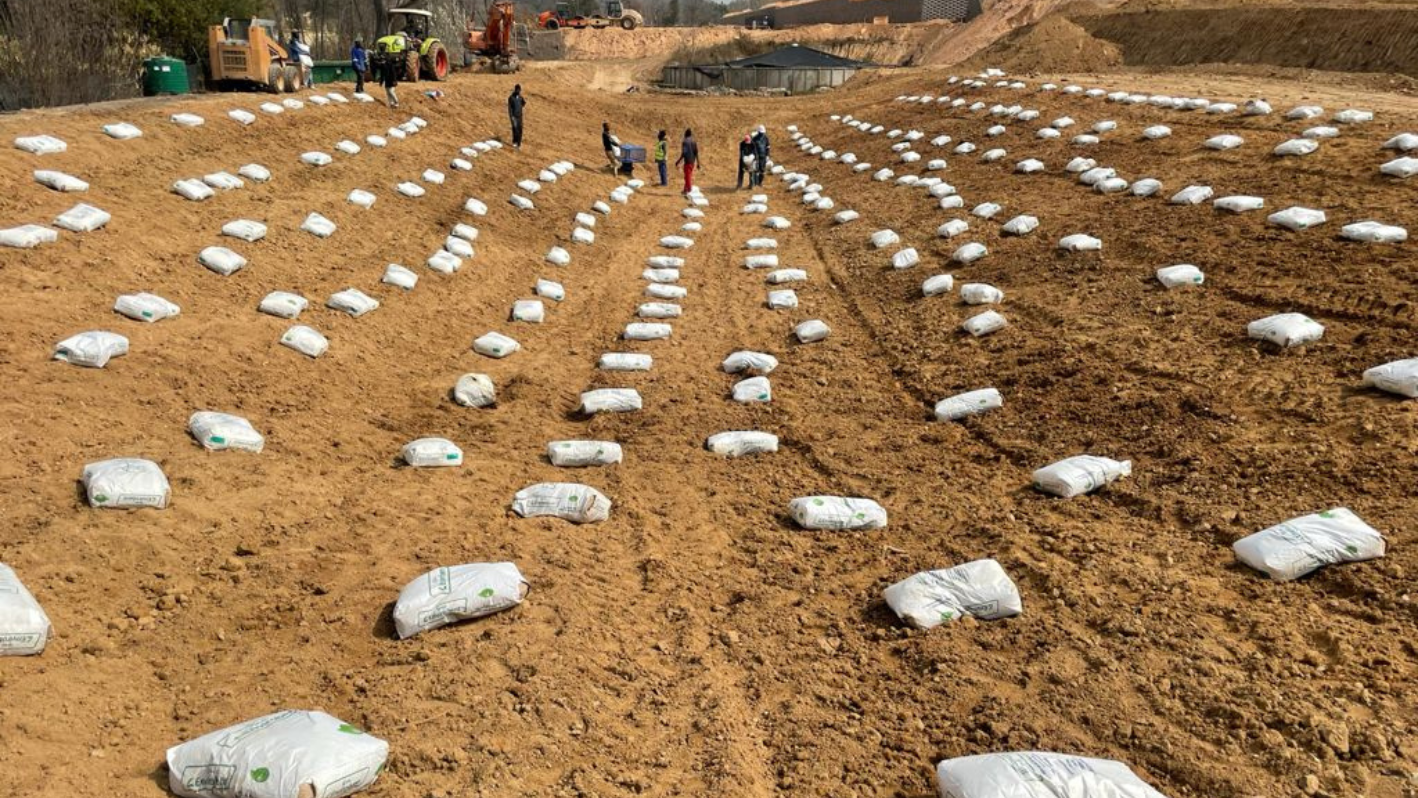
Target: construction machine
pixel 496 42
pixel 616 14
pixel 412 46
pixel 246 52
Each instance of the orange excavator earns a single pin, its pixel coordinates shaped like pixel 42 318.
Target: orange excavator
pixel 496 42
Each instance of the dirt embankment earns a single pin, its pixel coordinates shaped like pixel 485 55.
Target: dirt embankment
pixel 880 44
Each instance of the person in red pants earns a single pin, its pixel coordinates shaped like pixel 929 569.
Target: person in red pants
pixel 689 156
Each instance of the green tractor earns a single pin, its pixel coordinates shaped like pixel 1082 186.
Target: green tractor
pixel 411 42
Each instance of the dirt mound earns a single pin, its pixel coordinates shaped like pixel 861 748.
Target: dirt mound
pixel 879 44
pixel 998 20
pixel 1054 44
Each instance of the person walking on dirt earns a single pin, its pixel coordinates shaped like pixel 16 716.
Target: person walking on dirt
pixel 359 62
pixel 745 162
pixel 389 76
pixel 689 156
pixel 662 157
pixel 515 103
pixel 294 52
pixel 608 143
pixel 760 155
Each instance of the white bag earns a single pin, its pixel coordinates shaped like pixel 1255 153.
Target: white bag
pixel 352 301
pixel 145 307
pixel 550 290
pixel 1225 141
pixel 187 120
pixel 272 108
pixel 27 236
pixel 347 147
pixel 376 141
pixel 777 223
pixel 580 454
pixel 475 206
pixel 255 172
pixel 1020 225
pixel 1084 140
pixel 59 181
pixel 126 482
pixel 1048 133
pixel 1256 108
pixel 305 340
pixel 40 145
pixel 1401 168
pixel 520 202
pixel 760 261
pixel 24 628
pixel 937 284
pixel 780 276
pixel 1191 195
pixel 624 361
pixel 1080 474
pixel 1303 112
pixel 456 593
pixel 194 190
pixel 434 177
pixel 466 232
pixel 664 262
pixel 278 756
pixel 1029 166
pixel 461 164
pixel 754 207
pixel 752 390
pixel 1403 142
pixel 986 210
pixel 495 344
pixel 905 259
pixel 1286 329
pixel 1297 218
pixel 1350 116
pixel 659 310
pixel 661 275
pixel 836 512
pixel 1157 132
pixel 952 228
pixel 954 408
pixel 645 331
pixel 1399 377
pixel 531 311
pixel 1374 233
pixel 218 431
pixel 786 299
pixel 1078 242
pixel 91 349
pixel 82 219
pixel 610 400
pixel 1146 187
pixel 1180 275
pixel 475 390
pixel 1296 147
pixel 411 190
pixel 444 262
pixel 811 331
pixel 885 238
pixel 224 181
pixel 738 444
pixel 1239 204
pixel 980 294
pixel 676 242
pixel 432 453
pixel 761 243
pixel 1296 547
pixel 283 304
pixel 123 131
pixel 746 360
pixel 984 323
pixel 969 253
pixel 1080 165
pixel 316 159
pixel 244 229
pixel 1036 774
pixel 362 198
pixel 1111 185
pixel 579 504
pixel 979 589
pixel 996 154
pixel 318 226
pixel 399 276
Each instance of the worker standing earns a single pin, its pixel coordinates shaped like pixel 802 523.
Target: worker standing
pixel 608 143
pixel 662 157
pixel 689 156
pixel 515 103
pixel 745 162
pixel 293 53
pixel 390 65
pixel 359 62
pixel 760 155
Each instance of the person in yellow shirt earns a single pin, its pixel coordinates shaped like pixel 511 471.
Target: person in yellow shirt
pixel 662 157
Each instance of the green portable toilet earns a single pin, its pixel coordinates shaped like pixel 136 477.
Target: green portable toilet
pixel 164 75
pixel 331 72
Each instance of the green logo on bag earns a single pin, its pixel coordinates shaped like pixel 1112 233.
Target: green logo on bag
pixel 1327 514
pixel 486 592
pixel 348 729
pixel 946 615
pixel 101 499
pixel 260 775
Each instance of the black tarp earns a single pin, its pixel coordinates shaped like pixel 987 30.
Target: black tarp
pixel 794 56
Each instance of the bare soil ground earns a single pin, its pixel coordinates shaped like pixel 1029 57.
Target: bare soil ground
pixel 697 643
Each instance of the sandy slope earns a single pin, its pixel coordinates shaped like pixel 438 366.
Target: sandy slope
pixel 697 643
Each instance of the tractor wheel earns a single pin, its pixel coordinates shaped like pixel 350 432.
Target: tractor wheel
pixel 291 82
pixel 553 24
pixel 275 78
pixel 411 66
pixel 435 62
pixel 628 23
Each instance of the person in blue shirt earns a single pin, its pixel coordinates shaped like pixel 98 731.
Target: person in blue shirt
pixel 359 62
